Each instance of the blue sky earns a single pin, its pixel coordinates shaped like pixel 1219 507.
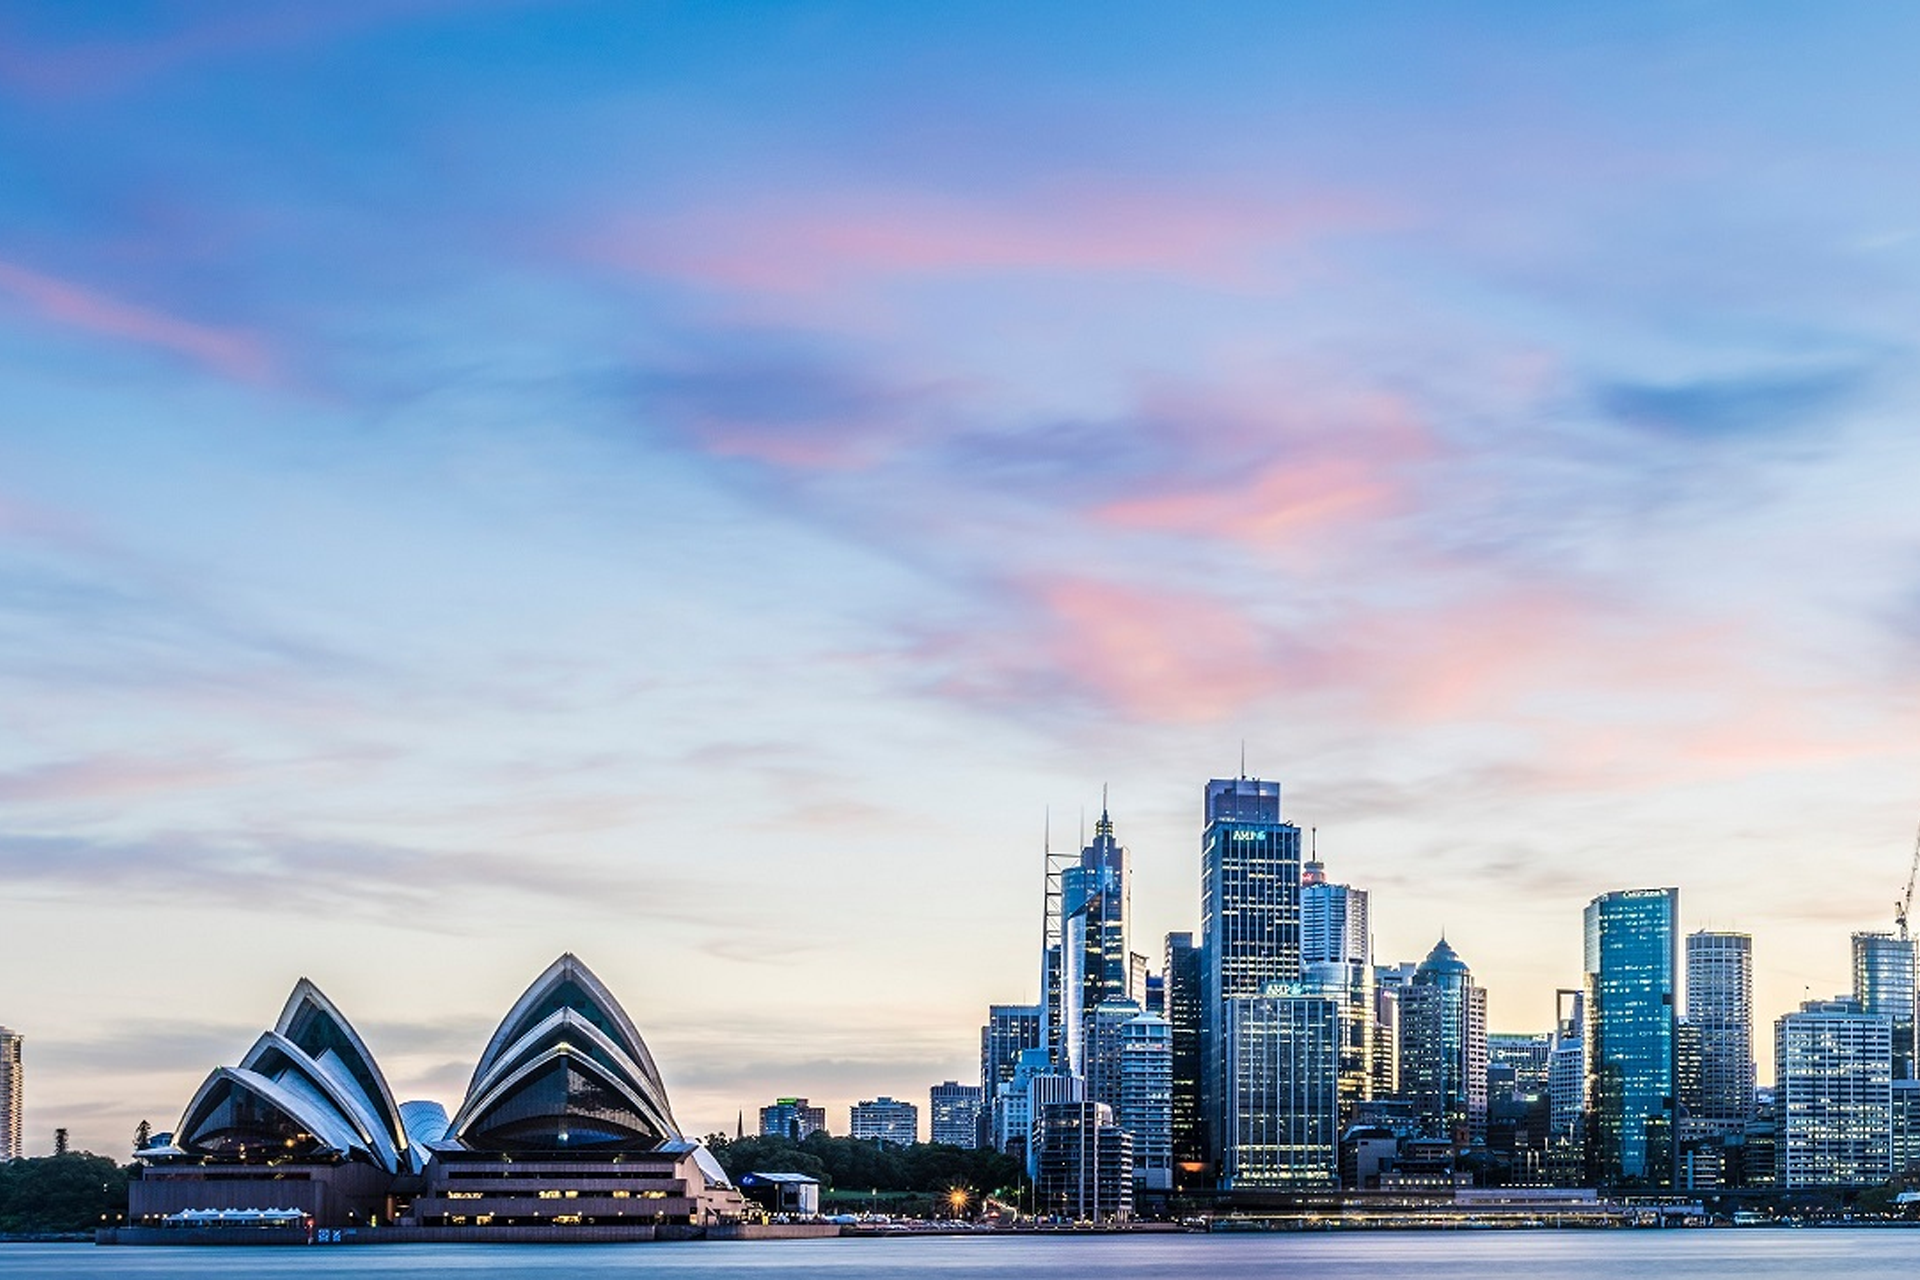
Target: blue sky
pixel 692 485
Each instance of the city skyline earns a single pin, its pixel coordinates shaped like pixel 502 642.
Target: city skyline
pixel 1261 792
pixel 478 482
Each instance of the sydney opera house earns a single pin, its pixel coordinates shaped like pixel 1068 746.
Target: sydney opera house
pixel 565 1128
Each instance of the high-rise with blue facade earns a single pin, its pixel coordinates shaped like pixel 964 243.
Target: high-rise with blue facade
pixel 1632 967
pixel 1096 964
pixel 1443 1047
pixel 1249 923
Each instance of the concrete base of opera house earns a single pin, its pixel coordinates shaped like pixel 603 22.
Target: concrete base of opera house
pixel 466 1235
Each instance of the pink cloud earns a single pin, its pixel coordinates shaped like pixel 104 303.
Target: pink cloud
pixel 814 243
pixel 109 777
pixel 235 355
pixel 1326 467
pixel 815 450
pixel 33 522
pixel 1275 505
pixel 1146 654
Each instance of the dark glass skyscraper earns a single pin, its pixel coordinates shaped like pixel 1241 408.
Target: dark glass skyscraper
pixel 1443 1047
pixel 1632 963
pixel 1010 1029
pixel 1249 920
pixel 1096 899
pixel 1183 1011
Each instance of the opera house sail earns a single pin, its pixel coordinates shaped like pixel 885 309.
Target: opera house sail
pixel 565 1131
pixel 566 1071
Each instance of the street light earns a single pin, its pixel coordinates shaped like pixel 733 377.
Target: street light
pixel 957 1198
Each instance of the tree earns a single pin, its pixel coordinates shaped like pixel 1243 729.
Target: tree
pixel 59 1142
pixel 142 1135
pixel 74 1191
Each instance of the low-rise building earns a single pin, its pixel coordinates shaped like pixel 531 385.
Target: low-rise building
pixel 953 1114
pixel 885 1119
pixel 792 1118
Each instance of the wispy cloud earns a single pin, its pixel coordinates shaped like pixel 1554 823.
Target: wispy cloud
pixel 374 880
pixel 231 353
pixel 182 38
pixel 782 399
pixel 1758 405
pixel 814 241
pixel 113 776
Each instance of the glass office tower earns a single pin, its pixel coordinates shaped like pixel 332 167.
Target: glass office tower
pixel 1183 1012
pixel 1443 1047
pixel 1336 952
pixel 1096 965
pixel 1632 964
pixel 1249 922
pixel 1883 985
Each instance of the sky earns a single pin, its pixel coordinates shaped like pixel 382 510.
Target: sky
pixel 703 486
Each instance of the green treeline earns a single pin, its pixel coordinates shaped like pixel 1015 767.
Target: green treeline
pixel 849 1164
pixel 78 1191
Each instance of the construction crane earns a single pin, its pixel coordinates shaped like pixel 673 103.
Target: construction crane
pixel 1902 907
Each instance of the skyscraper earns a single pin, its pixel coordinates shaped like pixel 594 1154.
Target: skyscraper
pixel 1101 1059
pixel 953 1114
pixel 1010 1030
pixel 1096 898
pixel 1082 1162
pixel 1567 1066
pixel 1883 983
pixel 1390 982
pixel 1183 1013
pixel 1249 921
pixel 12 1096
pixel 1833 1096
pixel 1720 1009
pixel 1443 1046
pixel 1283 1093
pixel 1632 963
pixel 1334 925
pixel 1145 1099
pixel 1336 953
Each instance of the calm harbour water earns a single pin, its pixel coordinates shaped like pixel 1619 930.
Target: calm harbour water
pixel 1463 1255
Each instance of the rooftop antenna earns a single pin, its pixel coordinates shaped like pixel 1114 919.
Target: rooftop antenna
pixel 1313 843
pixel 1243 759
